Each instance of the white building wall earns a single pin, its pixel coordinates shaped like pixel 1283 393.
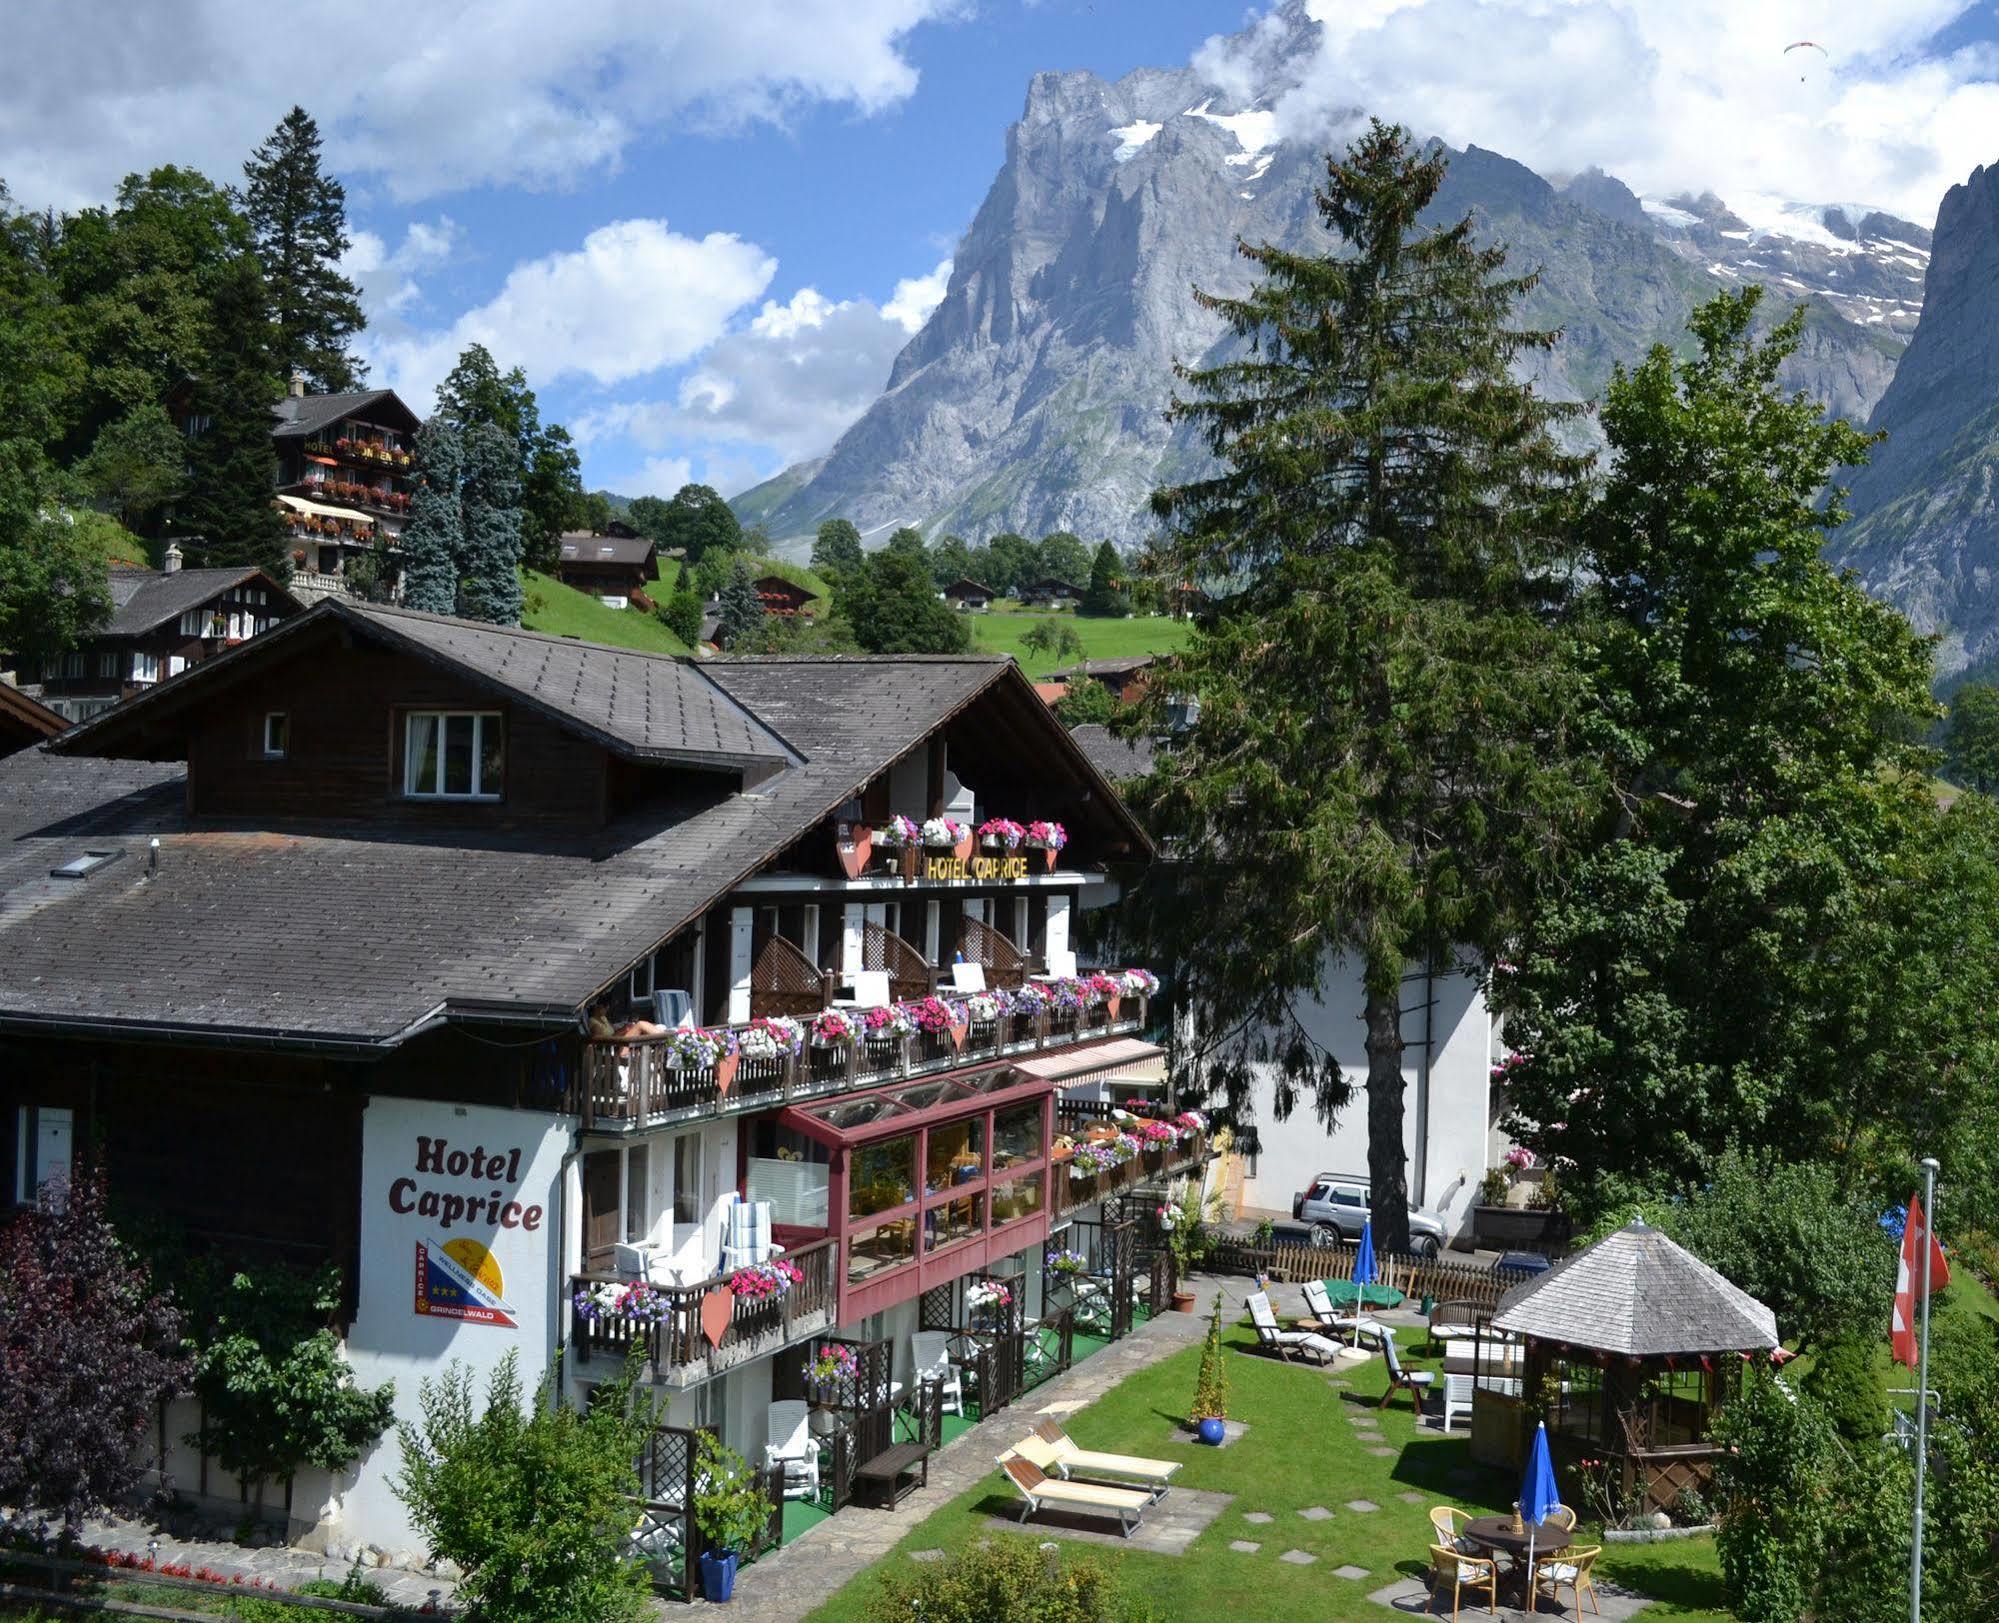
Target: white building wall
pixel 1447 1103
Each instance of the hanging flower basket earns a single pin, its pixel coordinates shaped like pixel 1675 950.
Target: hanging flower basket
pixel 1001 834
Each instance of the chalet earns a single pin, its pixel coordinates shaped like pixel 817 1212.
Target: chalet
pixel 24 720
pixel 162 622
pixel 544 987
pixel 1048 593
pixel 785 598
pixel 346 477
pixel 614 567
pixel 974 597
pixel 1125 678
pixel 1187 601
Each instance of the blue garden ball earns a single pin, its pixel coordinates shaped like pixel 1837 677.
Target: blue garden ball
pixel 1211 1430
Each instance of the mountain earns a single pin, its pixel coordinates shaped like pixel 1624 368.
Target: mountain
pixel 1034 397
pixel 1925 533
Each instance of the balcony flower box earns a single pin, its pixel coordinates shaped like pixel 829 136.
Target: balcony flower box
pixel 774 1037
pixel 1001 834
pixel 1048 839
pixel 947 834
pixel 832 1029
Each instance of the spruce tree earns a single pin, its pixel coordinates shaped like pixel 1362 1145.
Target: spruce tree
pixel 299 215
pixel 433 541
pixel 1380 767
pixel 490 587
pixel 741 611
pixel 229 515
pixel 1105 596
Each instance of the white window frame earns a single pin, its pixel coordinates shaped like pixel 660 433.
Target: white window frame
pixel 108 662
pixel 283 719
pixel 194 623
pixel 176 663
pixel 30 1176
pixel 145 668
pixel 481 720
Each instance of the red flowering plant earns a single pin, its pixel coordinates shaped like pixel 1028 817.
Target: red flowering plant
pixel 766 1281
pixel 935 1014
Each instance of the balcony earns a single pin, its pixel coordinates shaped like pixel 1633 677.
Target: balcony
pixel 608 1313
pixel 1093 1128
pixel 363 451
pixel 633 1083
pixel 352 493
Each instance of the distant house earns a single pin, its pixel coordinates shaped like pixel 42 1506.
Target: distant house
pixel 785 598
pixel 346 477
pixel 1186 600
pixel 1049 592
pixel 1125 678
pixel 24 720
pixel 1119 759
pixel 161 623
pixel 613 567
pixel 970 595
pixel 1049 692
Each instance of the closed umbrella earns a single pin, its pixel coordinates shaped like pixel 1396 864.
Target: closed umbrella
pixel 1363 1273
pixel 1538 1497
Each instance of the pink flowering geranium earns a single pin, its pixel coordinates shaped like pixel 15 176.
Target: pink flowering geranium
pixel 766 1281
pixel 1047 836
pixel 901 831
pixel 772 1037
pixel 1002 832
pixel 886 1021
pixel 835 1361
pixel 1156 1134
pixel 830 1028
pixel 1102 987
pixel 934 1014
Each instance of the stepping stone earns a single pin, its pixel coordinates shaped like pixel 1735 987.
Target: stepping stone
pixel 1361 1507
pixel 1412 1498
pixel 1352 1572
pixel 926 1555
pixel 1243 1546
pixel 1381 1453
pixel 1316 1513
pixel 1334 1381
pixel 1259 1517
pixel 1298 1558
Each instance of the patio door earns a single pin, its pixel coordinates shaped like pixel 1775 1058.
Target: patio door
pixel 602 1222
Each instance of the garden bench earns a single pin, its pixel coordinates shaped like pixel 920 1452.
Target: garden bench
pixel 899 1469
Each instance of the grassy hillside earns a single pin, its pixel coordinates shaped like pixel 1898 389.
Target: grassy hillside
pixel 118 544
pixel 562 611
pixel 1005 632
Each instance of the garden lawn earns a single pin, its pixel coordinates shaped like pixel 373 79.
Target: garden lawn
pixel 562 611
pixel 1301 1450
pixel 1005 632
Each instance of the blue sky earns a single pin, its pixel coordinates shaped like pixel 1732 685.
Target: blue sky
pixel 705 227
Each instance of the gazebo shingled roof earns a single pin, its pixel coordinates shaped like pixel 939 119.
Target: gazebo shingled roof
pixel 1638 1294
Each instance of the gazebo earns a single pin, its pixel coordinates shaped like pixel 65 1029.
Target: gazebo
pixel 1630 1349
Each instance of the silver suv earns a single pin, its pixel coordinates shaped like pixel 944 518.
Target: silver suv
pixel 1335 1207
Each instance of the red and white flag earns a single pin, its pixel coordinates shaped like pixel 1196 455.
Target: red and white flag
pixel 1908 1275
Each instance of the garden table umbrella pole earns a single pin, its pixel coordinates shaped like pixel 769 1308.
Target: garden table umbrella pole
pixel 1363 1273
pixel 1538 1500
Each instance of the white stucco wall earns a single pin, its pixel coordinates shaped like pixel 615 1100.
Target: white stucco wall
pixel 1446 1107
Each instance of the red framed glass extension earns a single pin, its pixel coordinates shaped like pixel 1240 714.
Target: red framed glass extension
pixel 933 1179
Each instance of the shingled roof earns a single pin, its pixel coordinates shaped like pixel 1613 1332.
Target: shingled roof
pixel 1116 758
pixel 587 547
pixel 1638 1294
pixel 299 415
pixel 143 601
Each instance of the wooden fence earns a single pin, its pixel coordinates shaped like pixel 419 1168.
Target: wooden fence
pixel 1445 1278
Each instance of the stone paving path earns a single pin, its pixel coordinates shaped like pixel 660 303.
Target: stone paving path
pixel 787 1584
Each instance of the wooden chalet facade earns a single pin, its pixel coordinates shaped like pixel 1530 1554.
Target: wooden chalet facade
pixel 973 596
pixel 616 567
pixel 1124 678
pixel 162 623
pixel 785 598
pixel 346 478
pixel 371 999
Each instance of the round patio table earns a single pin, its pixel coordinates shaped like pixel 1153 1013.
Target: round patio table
pixel 1496 1533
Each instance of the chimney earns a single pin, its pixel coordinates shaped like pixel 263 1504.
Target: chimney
pixel 171 564
pixel 298 384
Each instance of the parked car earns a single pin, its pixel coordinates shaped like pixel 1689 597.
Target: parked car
pixel 1525 1263
pixel 1335 1206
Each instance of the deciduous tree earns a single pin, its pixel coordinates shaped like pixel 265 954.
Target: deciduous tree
pixel 893 606
pixel 137 466
pixel 836 548
pixel 1971 737
pixel 700 522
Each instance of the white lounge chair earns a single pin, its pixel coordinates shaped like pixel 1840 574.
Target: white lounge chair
pixel 968 977
pixel 930 1354
pixel 791 1445
pixel 1067 1459
pixel 1286 1343
pixel 1457 1398
pixel 1319 1303
pixel 1039 1491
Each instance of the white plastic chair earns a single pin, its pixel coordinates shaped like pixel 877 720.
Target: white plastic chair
pixel 1457 1398
pixel 791 1446
pixel 870 990
pixel 930 1353
pixel 633 1261
pixel 968 977
pixel 1061 966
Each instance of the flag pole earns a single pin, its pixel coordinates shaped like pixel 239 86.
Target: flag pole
pixel 1928 1243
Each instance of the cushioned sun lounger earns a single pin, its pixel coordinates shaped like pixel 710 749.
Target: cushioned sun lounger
pixel 1040 1491
pixel 1056 1453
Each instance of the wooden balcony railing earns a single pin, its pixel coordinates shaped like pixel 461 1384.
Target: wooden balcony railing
pixel 910 974
pixel 1082 1119
pixel 678 1347
pixel 633 1082
pixel 784 981
pixel 1004 963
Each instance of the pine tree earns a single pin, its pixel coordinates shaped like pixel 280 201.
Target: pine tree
pixel 1105 596
pixel 491 585
pixel 228 515
pixel 741 611
pixel 433 542
pixel 1380 768
pixel 299 215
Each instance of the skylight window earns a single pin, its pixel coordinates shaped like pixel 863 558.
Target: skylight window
pixel 84 866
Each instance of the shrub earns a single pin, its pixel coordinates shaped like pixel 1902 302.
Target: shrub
pixel 1211 1386
pixel 730 1508
pixel 1004 1578
pixel 1847 1381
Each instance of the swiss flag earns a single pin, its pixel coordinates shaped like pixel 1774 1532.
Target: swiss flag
pixel 1902 1325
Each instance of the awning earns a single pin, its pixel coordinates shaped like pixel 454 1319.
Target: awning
pixel 323 461
pixel 300 504
pixel 1126 1057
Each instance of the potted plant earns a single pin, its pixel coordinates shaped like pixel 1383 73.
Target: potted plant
pixel 1185 1225
pixel 832 1029
pixel 1047 838
pixel 1001 834
pixel 731 1510
pixel 1210 1409
pixel 1065 1264
pixel 833 1370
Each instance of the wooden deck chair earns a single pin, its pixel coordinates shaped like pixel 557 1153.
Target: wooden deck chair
pixel 1286 1343
pixel 1065 1457
pixel 1040 1491
pixel 1413 1381
pixel 1473 1572
pixel 1571 1569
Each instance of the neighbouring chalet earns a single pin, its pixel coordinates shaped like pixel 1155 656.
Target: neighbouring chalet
pixel 331 949
pixel 1124 678
pixel 1049 592
pixel 346 477
pixel 162 623
pixel 615 567
pixel 785 598
pixel 24 720
pixel 973 596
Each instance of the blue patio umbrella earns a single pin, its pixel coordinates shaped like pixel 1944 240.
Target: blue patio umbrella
pixel 1363 1273
pixel 1539 1498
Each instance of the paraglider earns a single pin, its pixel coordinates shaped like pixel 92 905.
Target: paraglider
pixel 1807 45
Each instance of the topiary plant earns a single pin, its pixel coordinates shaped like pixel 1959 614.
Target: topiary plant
pixel 1211 1386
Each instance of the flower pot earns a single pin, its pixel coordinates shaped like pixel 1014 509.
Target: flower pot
pixel 1211 1431
pixel 718 1574
pixel 1183 1301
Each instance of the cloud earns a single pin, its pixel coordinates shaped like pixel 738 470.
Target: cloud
pixel 388 277
pixel 1669 95
pixel 634 298
pixel 429 98
pixel 785 385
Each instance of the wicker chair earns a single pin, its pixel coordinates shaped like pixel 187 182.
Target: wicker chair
pixel 1570 1569
pixel 1473 1572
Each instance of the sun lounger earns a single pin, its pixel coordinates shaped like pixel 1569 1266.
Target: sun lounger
pixel 1319 1303
pixel 1286 1342
pixel 1040 1491
pixel 1054 1451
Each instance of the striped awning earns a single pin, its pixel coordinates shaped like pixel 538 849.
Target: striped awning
pixel 301 505
pixel 1126 1057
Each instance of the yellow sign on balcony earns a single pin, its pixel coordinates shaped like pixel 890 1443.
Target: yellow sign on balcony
pixel 975 868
